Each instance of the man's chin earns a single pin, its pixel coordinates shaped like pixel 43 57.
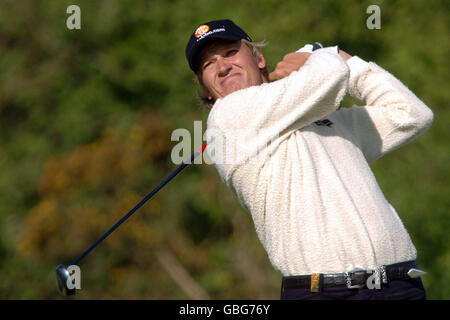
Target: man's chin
pixel 233 88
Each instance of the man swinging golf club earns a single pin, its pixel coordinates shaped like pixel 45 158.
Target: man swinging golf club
pixel 301 167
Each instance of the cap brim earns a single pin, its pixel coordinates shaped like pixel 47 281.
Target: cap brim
pixel 200 44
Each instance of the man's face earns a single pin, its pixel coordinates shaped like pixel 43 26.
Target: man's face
pixel 228 66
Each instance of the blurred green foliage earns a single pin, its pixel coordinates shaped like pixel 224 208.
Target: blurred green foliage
pixel 85 123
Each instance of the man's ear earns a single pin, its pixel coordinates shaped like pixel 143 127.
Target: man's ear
pixel 207 93
pixel 262 65
pixel 261 61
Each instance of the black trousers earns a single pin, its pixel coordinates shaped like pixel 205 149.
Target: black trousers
pixel 410 289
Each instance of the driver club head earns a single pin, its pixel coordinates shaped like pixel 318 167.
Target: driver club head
pixel 62 275
pixel 64 279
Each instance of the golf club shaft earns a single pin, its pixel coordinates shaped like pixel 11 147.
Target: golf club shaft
pixel 144 200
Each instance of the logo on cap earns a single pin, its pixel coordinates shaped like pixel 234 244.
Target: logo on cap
pixel 201 30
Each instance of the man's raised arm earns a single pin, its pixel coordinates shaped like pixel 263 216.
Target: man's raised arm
pixel 392 115
pixel 258 114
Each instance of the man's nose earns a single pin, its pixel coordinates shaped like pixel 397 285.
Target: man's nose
pixel 223 66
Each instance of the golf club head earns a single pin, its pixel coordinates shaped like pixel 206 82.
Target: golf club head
pixel 62 275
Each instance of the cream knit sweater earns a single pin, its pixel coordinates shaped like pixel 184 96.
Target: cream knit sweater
pixel 315 203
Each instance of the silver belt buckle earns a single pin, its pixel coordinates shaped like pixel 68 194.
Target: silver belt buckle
pixel 348 275
pixel 383 273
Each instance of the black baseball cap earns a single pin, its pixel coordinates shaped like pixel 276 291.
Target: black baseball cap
pixel 216 29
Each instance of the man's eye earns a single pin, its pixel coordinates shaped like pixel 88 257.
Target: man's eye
pixel 207 64
pixel 231 52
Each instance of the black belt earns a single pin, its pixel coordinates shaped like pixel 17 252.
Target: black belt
pixel 353 279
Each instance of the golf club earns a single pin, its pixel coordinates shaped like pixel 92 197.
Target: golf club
pixel 63 277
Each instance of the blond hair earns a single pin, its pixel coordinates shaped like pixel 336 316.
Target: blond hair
pixel 255 48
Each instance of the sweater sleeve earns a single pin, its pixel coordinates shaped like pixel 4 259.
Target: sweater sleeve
pixel 251 118
pixel 392 116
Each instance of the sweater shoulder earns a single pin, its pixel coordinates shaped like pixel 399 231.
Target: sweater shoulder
pixel 233 109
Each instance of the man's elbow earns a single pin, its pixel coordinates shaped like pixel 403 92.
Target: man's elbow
pixel 428 118
pixel 424 118
pixel 421 119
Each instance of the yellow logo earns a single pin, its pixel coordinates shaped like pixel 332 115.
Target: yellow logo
pixel 201 30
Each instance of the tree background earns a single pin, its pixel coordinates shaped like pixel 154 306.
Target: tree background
pixel 85 123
